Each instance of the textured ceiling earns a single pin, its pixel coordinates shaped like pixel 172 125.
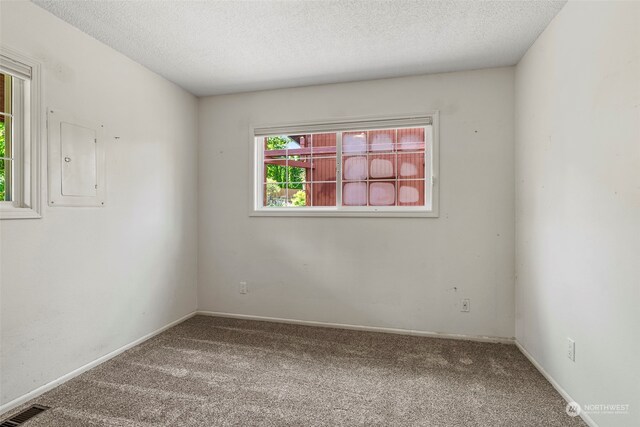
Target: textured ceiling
pixel 214 47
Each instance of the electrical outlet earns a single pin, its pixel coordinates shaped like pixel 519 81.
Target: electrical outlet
pixel 571 349
pixel 243 288
pixel 466 305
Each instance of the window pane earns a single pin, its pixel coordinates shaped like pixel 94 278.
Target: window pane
pixel 5 94
pixel 354 142
pixel 382 193
pixel 275 171
pixel 4 123
pixel 299 169
pixel 355 168
pixel 323 144
pixel 297 197
pixel 5 156
pixel 411 166
pixel 323 194
pixel 274 195
pixel 376 161
pixel 411 139
pixel 285 160
pixel 382 166
pixel 5 167
pixel 354 194
pixel 323 169
pixel 282 195
pixel 276 143
pixel 296 171
pixel 382 140
pixel 411 193
pixel 274 160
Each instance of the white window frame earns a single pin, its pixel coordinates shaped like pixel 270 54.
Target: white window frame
pixel 430 210
pixel 26 197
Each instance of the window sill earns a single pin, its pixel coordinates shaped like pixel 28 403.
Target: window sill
pixel 18 213
pixel 342 213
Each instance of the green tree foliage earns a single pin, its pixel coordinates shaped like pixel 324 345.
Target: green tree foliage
pixel 299 199
pixel 2 154
pixel 282 174
pixel 273 193
pixel 277 142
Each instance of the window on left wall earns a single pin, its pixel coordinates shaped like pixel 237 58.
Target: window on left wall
pixel 19 136
pixel 6 137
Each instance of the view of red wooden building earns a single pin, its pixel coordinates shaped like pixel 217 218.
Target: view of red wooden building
pixel 380 167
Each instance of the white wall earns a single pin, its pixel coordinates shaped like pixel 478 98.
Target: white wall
pixel 578 203
pixel 82 282
pixel 384 272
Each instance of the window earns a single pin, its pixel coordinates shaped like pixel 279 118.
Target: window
pixel 383 167
pixel 19 136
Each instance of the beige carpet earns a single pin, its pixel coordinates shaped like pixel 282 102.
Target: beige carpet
pixel 216 372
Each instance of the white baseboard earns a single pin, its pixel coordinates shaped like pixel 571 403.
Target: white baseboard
pixel 43 389
pixel 360 327
pixel 585 417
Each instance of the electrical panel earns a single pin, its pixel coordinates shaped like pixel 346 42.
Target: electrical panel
pixel 76 161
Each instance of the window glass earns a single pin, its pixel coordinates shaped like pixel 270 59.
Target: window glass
pixel 5 137
pixel 379 168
